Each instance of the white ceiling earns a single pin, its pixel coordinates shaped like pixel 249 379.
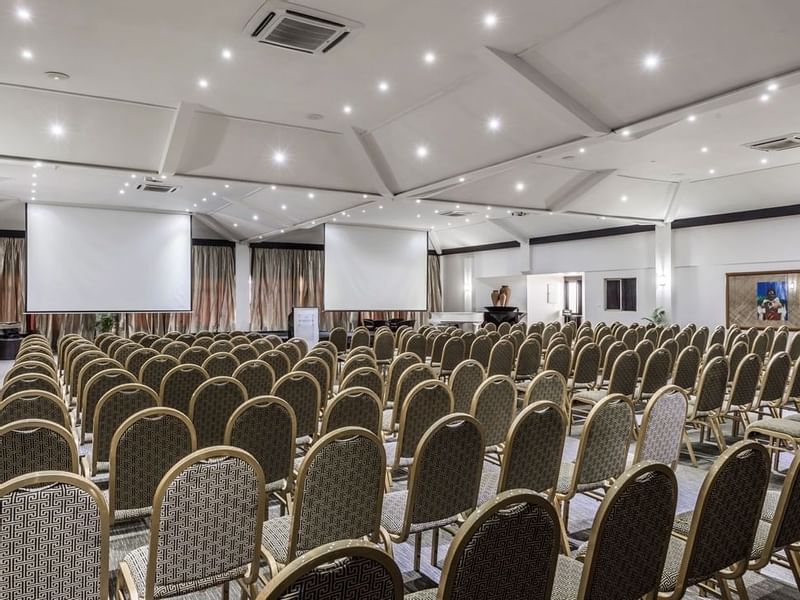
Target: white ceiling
pixel 559 76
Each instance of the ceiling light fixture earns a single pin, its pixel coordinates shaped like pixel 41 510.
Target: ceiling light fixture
pixel 467 219
pixel 582 150
pixel 133 175
pixel 429 58
pixel 764 97
pixel 34 175
pixel 691 118
pixel 764 161
pixel 380 207
pixel 626 132
pixel 283 231
pixel 418 215
pixel 227 186
pixel 37 165
pixel 26 54
pixel 279 158
pixel 461 180
pixel 33 184
pixel 227 54
pixel 235 224
pixel 126 184
pixel 283 207
pixel 458 206
pixel 163 177
pixel 255 217
pixel 122 192
pixel 651 61
pixel 205 199
pixel 520 186
pixel 494 124
pixel 624 198
pixel 23 14
pixel 334 219
pixel 704 149
pixel 343 213
pixel 56 129
pixel 490 20
pixel 273 187
pixel 313 222
pixel 422 151
pixel 364 196
pixel 203 83
pixel 418 200
pixel 711 171
pixel 383 86
pixel 213 193
pixel 436 211
pixel 772 86
pixel 347 109
pixel 311 195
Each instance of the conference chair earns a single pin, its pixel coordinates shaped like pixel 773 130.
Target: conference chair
pixel 416 344
pixel 178 386
pixel 494 406
pixel 220 364
pixel 122 353
pixel 366 377
pixel 529 359
pixel 760 345
pixel 33 445
pixel 706 406
pixel 464 382
pixel 353 407
pixel 360 337
pixel 629 539
pixel 737 353
pixel 739 401
pixel 161 343
pixel 622 381
pixel 143 448
pixel 261 345
pixel 338 336
pixel 220 345
pixel 411 377
pixel 587 365
pixel 302 393
pixel 147 340
pixel 256 376
pixel 203 342
pixel 547 386
pixel 186 338
pixel 194 355
pixel 383 345
pixel 609 357
pixel 771 397
pixel 188 551
pixel 318 369
pixel 481 350
pixel 28 368
pixel 452 355
pixel 137 358
pixel 443 483
pixel 34 404
pixel 96 388
pixel 794 348
pixel 54 537
pixel 77 363
pixel 212 404
pixel 279 362
pixel 244 353
pixel 655 376
pixel 662 430
pixel 687 366
pixel 300 344
pixel 434 346
pixel 175 349
pixel 154 369
pixel 532 453
pixel 558 358
pixel 357 361
pixel 328 356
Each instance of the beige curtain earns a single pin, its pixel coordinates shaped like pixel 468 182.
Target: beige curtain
pixel 283 278
pixel 12 280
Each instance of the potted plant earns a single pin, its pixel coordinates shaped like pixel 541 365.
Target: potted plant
pixel 104 322
pixel 657 317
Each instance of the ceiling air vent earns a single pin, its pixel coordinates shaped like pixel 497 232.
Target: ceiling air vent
pixel 456 213
pixel 776 144
pixel 151 184
pixel 294 27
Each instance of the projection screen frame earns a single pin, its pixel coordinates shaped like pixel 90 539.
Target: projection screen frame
pixel 93 312
pixel 360 310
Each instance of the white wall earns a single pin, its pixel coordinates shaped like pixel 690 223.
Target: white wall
pixel 490 270
pixel 539 309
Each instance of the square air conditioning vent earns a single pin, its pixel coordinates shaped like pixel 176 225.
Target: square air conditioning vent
pixel 294 27
pixel 156 185
pixel 456 213
pixel 777 144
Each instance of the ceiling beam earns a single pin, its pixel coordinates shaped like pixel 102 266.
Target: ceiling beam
pixel 177 139
pixel 434 239
pixel 524 251
pixel 210 222
pixel 573 191
pixel 673 204
pixel 370 156
pixel 308 222
pixel 544 92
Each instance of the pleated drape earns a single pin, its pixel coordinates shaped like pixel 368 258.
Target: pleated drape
pixel 12 280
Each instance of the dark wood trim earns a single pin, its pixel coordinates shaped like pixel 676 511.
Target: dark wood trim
pixel 288 246
pixel 736 217
pixel 432 253
pixel 212 242
pixel 12 233
pixel 482 248
pixel 591 234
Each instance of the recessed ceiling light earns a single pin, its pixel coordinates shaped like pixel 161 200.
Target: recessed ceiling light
pixel 311 195
pixel 508 211
pixel 23 14
pixel 380 207
pixel 711 171
pixel 458 206
pixel 213 193
pixel 467 219
pixel 203 83
pixel 227 186
pixel 651 61
pixel 486 215
pixel 205 199
pixel 122 192
pixel 363 211
pixel 273 187
pixel 279 158
pixel 163 177
pixel 33 184
pixel 448 224
pixel 691 118
pixel 37 165
pixel 226 53
pixel 133 175
pixel 418 215
pixel 764 97
pixel 283 207
pixel 34 175
pixel 764 161
pixel 56 75
pixel 383 86
pixel 26 54
pixel 334 219
pixel 429 58
pixel 520 186
pixel 490 20
pixel 488 208
pixel 461 180
pixel 187 210
pixel 773 86
pixel 432 227
pixel 56 129
pixel 33 197
pixel 418 200
pixel 704 149
pixel 422 151
pixel 602 218
pixel 582 150
pixel 347 109
pixel 364 196
pixel 261 237
pixel 313 222
pixel 195 204
pixel 624 198
pixel 626 133
pixel 127 184
pixel 255 217
pixel 343 213
pixel 235 224
pixel 493 124
pixel 436 211
pixel 283 231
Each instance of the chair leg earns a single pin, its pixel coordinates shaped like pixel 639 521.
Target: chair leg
pixel 724 590
pixel 741 590
pixel 417 550
pixel 435 547
pixel 565 515
pixel 689 448
pixel 793 557
pixel 226 590
pixel 716 427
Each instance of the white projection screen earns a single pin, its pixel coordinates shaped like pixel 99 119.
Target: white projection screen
pixel 375 269
pixel 98 260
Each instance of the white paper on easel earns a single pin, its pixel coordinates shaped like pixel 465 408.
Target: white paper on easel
pixel 306 324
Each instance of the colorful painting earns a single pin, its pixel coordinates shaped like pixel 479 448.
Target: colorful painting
pixel 772 301
pixel 763 299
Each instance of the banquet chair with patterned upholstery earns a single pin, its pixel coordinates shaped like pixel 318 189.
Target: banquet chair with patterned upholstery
pixel 220 345
pixel 190 551
pixel 602 452
pixel 529 359
pixel 159 344
pixel 203 342
pixel 705 408
pixel 338 336
pixel 622 381
pixel 220 364
pixel 179 384
pixel 175 349
pixel 96 388
pixel 547 386
pixel 261 345
pixel 144 447
pixel 531 458
pixel 195 355
pixel 434 345
pixel 714 542
pixel 366 377
pixel 212 405
pixel 113 408
pixel 342 570
pixel 137 358
pixel 266 428
pixel 518 530
pixel 383 344
pixel 338 496
pixel 302 393
pixel 53 537
pixel 318 369
pixel 324 351
pixel 501 359
pixel 684 373
pixel 154 369
pixel 244 353
pixel 771 394
pixel 558 358
pixel 279 362
pixel 31 445
pixel 452 355
pixel 609 358
pixel 411 377
pixel 357 361
pixel 443 483
pixel 644 349
pixel 586 368
pixel 662 430
pixel 629 539
pixel 148 340
pixel 416 345
pixel 34 404
pixel 655 375
pixel 737 353
pixel 739 401
pixel 674 347
pixel 359 337
pixel 27 367
pixel 32 381
pixel 481 350
pixel 464 382
pixel 256 376
pixel 353 407
pixel 187 338
pixel 76 364
pixel 494 406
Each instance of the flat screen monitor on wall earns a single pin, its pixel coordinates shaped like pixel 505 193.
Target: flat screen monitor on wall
pixel 98 260
pixel 375 269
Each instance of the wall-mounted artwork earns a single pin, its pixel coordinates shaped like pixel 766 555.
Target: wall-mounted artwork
pixel 763 299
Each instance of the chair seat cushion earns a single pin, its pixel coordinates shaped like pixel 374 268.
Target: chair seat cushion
pixel 489 480
pixel 129 514
pixel 565 480
pixel 394 511
pixel 387 424
pixel 669 576
pixel 788 427
pixel 275 538
pixel 770 505
pixel 391 449
pixel 568 578
pixel 590 396
pixel 429 594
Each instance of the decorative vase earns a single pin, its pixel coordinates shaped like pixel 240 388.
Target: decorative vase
pixel 495 297
pixel 505 295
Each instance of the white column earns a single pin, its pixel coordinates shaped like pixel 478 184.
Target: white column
pixel 242 287
pixel 663 253
pixel 468 291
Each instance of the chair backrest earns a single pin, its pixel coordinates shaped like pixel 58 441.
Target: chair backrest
pixel 656 373
pixel 684 375
pixel 644 349
pixel 559 358
pixel 32 445
pixel 280 363
pixel 785 528
pixel 773 384
pixel 196 355
pixel 535 444
pixel 411 377
pixel 318 369
pixel 338 336
pixel 137 358
pixel 175 349
pixel 624 373
pixel 341 569
pixel 27 367
pixel 661 432
pixel 745 383
pixel 727 513
pixel 416 344
pixel 220 364
pixel 519 530
pixel 34 404
pixel 464 382
pixel 630 535
pixel 651 335
pixel 737 353
pixel 256 376
pixel 446 472
pixel 794 348
pixel 384 346
pixel 603 449
pixel 339 491
pixel 481 350
pixel 360 337
pixel 179 384
pixel 203 342
pixel 453 354
pixel 325 351
pixel 244 352
pixel 144 447
pixel 493 406
pixel 760 345
pixel 427 402
pixel 367 377
pixel 266 428
pixel 148 340
pixel 630 339
pixel 212 405
pixel 59 520
pixel 358 361
pixel 529 359
pixel 220 345
pixel 261 345
pixel 32 381
pixel 79 361
pixel 587 364
pixel 222 481
pixel 711 390
pixel 550 386
pixel 154 369
pixel 97 387
pixel 612 352
pixel 302 392
pixel 353 407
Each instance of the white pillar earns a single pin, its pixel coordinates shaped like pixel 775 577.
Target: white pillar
pixel 468 291
pixel 663 253
pixel 242 287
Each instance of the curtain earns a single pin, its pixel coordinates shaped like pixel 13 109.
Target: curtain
pixel 12 280
pixel 283 278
